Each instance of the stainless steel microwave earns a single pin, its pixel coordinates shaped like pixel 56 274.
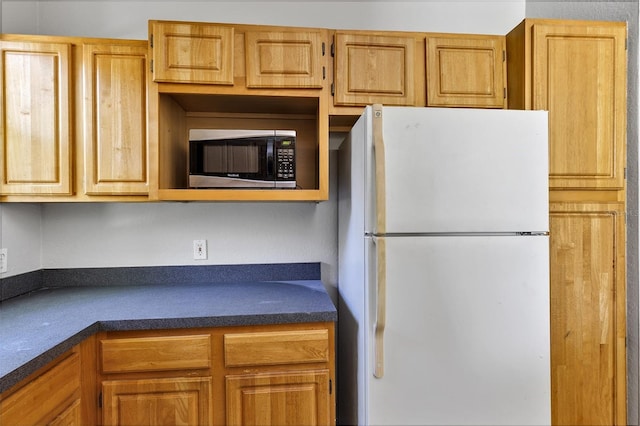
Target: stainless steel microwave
pixel 221 158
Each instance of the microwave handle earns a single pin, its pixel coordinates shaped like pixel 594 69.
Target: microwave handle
pixel 270 171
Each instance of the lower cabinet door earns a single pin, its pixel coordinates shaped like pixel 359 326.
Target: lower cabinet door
pixel 71 416
pixel 289 398
pixel 157 402
pixel 588 359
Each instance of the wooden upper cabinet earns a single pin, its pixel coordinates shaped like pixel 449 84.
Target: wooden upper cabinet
pixel 375 68
pixel 189 52
pixel 115 118
pixel 466 71
pixel 36 113
pixel 290 59
pixel 577 71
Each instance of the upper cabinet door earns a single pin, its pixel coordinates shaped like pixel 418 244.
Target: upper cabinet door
pixel 466 71
pixel 374 68
pixel 579 76
pixel 35 109
pixel 192 53
pixel 115 119
pixel 284 59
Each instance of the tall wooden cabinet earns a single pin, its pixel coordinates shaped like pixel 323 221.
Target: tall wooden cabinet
pixel 577 71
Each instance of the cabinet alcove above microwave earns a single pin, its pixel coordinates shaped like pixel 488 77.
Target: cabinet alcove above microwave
pixel 194 108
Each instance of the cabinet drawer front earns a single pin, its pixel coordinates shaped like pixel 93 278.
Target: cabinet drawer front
pixel 271 348
pixel 155 353
pixel 44 398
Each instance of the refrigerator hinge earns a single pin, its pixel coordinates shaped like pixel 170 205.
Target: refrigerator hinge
pixel 100 400
pixel 330 386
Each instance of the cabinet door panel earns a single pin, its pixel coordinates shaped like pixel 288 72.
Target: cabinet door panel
pixel 72 416
pixel 580 78
pixel 158 402
pixel 192 53
pixel 587 314
pixel 115 119
pixel 35 148
pixel 374 69
pixel 465 71
pixel 284 59
pixel 46 397
pixel 294 398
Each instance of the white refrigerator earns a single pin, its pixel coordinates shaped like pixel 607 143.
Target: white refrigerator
pixel 443 310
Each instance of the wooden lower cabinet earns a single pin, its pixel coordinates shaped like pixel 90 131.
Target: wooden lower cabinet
pixel 588 313
pixel 157 402
pixel 287 398
pixel 59 394
pixel 249 375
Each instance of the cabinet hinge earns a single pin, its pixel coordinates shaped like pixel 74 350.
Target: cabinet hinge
pixel 324 73
pixel 504 93
pixel 151 41
pixel 323 48
pixel 330 386
pixel 333 50
pixel 333 92
pixel 151 65
pixel 504 55
pixel 100 400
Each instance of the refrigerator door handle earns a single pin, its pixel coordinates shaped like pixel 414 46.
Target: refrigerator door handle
pixel 381 307
pixel 380 179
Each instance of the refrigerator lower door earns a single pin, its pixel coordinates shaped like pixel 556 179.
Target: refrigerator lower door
pixel 466 336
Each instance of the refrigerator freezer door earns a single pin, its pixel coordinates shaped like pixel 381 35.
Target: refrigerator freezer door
pixel 457 170
pixel 466 340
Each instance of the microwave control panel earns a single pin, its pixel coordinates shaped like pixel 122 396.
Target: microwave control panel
pixel 285 158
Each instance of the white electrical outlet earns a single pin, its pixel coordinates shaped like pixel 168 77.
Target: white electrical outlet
pixel 3 260
pixel 199 249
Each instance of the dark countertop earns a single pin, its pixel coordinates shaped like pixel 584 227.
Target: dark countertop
pixel 37 327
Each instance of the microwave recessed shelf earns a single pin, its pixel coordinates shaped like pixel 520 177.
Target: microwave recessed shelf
pixel 178 113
